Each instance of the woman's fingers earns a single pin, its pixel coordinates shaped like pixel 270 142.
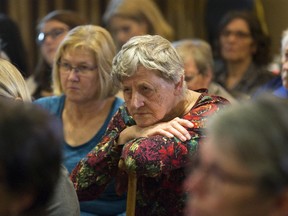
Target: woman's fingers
pixel 177 127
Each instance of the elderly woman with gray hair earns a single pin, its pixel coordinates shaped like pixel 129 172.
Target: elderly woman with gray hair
pixel 154 134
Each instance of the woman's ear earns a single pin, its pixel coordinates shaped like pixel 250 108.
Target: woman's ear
pixel 179 85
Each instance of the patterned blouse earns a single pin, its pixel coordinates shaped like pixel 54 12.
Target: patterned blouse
pixel 159 162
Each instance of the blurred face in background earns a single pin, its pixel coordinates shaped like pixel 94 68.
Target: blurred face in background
pixel 50 36
pixel 78 74
pixel 236 42
pixel 284 73
pixel 122 29
pixel 193 78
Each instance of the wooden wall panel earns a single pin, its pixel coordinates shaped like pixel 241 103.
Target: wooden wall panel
pixel 185 16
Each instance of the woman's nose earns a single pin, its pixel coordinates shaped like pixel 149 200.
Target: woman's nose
pixel 137 100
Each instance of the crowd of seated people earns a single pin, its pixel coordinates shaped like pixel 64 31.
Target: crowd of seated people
pixel 132 100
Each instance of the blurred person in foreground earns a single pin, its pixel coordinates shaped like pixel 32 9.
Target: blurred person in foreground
pixel 30 157
pixel 154 134
pixel 242 167
pixel 13 88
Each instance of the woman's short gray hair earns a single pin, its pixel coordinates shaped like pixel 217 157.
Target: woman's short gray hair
pixel 153 53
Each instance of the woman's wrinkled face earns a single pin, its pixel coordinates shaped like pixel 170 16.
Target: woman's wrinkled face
pixel 149 98
pixel 221 186
pixel 50 36
pixel 122 29
pixel 236 41
pixel 78 75
pixel 284 72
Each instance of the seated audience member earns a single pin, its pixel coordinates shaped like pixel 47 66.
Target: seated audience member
pixel 11 43
pixel 283 90
pixel 51 30
pixel 242 167
pixel 85 102
pixel 153 134
pixel 64 200
pixel 128 18
pixel 30 157
pixel 244 54
pixel 198 66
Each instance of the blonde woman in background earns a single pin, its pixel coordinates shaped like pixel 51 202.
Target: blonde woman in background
pixel 85 102
pixel 128 18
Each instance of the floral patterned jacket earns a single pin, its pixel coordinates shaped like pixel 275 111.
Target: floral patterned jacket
pixel 159 162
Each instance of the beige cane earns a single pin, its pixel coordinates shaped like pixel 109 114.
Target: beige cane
pixel 131 195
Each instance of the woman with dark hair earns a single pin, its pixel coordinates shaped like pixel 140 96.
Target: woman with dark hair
pixel 11 44
pixel 244 53
pixel 51 31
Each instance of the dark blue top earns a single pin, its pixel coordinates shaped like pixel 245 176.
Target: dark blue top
pixel 281 92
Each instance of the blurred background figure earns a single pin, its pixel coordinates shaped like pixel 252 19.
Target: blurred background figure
pixel 85 102
pixel 243 54
pixel 282 91
pixel 215 10
pixel 243 169
pixel 198 65
pixel 30 157
pixel 127 18
pixel 51 31
pixel 12 46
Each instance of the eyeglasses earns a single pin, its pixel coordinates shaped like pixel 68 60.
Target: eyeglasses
pixel 191 77
pixel 66 68
pixel 216 175
pixel 237 34
pixel 54 33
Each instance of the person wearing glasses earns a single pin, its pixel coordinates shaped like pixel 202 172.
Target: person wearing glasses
pixel 243 54
pixel 85 102
pixel 198 63
pixel 242 167
pixel 51 31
